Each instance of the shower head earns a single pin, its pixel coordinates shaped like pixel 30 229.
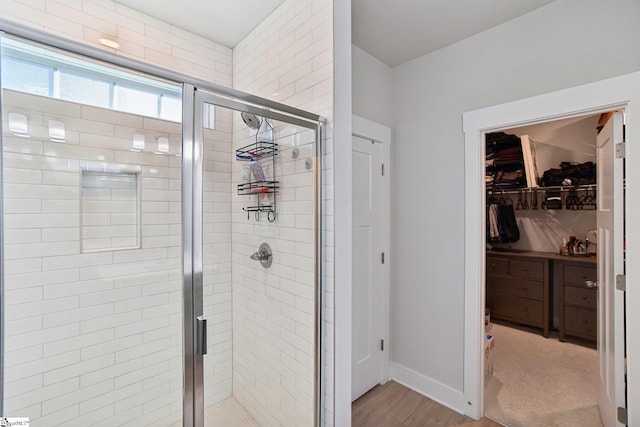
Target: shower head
pixel 251 120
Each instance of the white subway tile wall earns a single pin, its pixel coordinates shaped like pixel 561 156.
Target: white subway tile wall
pixel 274 308
pixel 92 338
pixel 140 36
pixel 216 239
pixel 289 58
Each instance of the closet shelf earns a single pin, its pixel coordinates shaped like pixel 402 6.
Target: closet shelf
pixel 574 198
pixel 257 151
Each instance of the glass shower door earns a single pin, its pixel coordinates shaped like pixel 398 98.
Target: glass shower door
pixel 91 221
pixel 259 181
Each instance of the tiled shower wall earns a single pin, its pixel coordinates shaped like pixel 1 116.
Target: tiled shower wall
pixel 216 242
pixel 92 338
pixel 140 36
pixel 274 308
pixel 289 58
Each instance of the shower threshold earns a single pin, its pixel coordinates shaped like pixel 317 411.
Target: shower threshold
pixel 227 413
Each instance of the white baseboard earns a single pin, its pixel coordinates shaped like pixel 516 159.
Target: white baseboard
pixel 434 390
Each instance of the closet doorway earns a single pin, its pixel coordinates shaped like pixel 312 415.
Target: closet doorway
pixel 541 362
pixel 593 98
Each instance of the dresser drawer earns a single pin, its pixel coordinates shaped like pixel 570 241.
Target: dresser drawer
pixel 496 265
pixel 519 287
pixel 516 309
pixel 581 322
pixel 581 296
pixel 527 269
pixel 578 275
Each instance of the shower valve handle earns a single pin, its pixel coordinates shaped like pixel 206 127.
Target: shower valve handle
pixel 260 255
pixel 264 255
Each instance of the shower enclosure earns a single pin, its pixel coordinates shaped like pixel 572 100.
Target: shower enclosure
pixel 134 205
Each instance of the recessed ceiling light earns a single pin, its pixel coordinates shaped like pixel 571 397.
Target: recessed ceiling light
pixel 109 43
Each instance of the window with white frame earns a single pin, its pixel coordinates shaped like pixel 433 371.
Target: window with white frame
pixel 39 71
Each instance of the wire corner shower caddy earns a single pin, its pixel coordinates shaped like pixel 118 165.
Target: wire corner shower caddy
pixel 261 188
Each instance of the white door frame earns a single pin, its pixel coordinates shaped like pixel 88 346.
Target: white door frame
pixel 367 129
pixel 605 95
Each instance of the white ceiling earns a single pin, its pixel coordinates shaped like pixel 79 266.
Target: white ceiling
pixel 394 31
pixel 224 21
pixel 397 31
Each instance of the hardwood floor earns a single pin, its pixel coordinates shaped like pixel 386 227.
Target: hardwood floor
pixel 393 405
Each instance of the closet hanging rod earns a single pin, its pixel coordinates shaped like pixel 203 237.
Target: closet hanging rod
pixel 561 188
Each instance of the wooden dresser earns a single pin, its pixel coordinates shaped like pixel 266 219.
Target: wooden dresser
pixel 578 299
pixel 517 288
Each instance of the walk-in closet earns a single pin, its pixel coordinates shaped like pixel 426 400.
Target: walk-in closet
pixel 541 287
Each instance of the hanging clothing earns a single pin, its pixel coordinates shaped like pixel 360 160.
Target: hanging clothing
pixel 507 218
pixel 493 232
pixel 502 226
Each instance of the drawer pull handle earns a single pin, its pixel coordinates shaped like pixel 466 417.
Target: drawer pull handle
pixel 584 297
pixel 525 268
pixel 585 321
pixel 591 284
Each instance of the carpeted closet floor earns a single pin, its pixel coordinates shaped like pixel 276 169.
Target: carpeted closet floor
pixel 540 381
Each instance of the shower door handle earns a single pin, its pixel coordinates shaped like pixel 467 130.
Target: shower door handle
pixel 202 335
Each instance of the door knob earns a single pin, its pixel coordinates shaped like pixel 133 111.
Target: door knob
pixel 592 284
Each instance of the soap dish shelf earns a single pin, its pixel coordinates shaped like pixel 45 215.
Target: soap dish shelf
pixel 258 187
pixel 257 151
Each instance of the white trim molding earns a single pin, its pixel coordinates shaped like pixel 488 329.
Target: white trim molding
pixel 371 130
pixel 429 387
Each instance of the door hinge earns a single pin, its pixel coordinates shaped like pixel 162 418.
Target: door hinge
pixel 383 169
pixel 382 257
pixel 381 345
pixel 622 415
pixel 621 150
pixel 621 282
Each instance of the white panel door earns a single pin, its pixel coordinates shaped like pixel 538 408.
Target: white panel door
pixel 368 275
pixel 611 392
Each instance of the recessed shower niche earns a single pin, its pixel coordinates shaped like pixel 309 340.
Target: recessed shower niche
pixel 110 210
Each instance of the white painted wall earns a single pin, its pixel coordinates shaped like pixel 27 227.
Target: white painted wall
pixel 560 45
pixel 341 162
pixel 372 86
